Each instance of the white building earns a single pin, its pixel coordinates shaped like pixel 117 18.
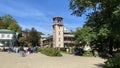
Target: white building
pixel 7 38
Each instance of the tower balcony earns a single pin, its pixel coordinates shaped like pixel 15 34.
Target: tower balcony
pixel 60 24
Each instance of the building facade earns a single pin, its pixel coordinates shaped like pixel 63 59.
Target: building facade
pixel 61 37
pixel 8 38
pixel 58 32
pixel 46 40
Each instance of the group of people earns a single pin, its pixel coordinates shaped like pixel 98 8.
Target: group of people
pixel 17 49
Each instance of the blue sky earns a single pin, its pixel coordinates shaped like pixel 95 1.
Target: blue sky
pixel 39 13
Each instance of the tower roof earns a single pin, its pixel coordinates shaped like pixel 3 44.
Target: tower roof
pixel 58 18
pixel 6 31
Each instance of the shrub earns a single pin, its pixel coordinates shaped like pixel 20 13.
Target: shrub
pixel 113 62
pixel 51 52
pixel 39 49
pixel 21 48
pixel 87 54
pixel 63 49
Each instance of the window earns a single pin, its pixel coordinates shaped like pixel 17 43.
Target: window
pixel 59 39
pixel 8 36
pixel 59 27
pixel 59 45
pixel 59 21
pixel 2 36
pixel 59 32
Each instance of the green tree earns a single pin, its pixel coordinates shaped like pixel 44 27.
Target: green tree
pixel 85 35
pixel 7 19
pixel 15 27
pixel 101 16
pixel 2 24
pixel 10 23
pixel 34 37
pixel 24 39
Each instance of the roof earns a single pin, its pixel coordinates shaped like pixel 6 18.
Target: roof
pixel 6 31
pixel 45 35
pixel 58 18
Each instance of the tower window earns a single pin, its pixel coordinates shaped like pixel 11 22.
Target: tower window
pixel 59 21
pixel 59 32
pixel 59 27
pixel 59 45
pixel 59 39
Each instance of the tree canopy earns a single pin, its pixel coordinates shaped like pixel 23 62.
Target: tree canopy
pixel 8 22
pixel 30 37
pixel 85 35
pixel 103 17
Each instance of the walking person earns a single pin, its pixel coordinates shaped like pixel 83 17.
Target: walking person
pixel 22 52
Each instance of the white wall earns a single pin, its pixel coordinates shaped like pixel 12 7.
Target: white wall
pixel 57 36
pixel 6 36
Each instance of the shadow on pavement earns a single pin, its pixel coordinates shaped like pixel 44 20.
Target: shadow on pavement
pixel 100 65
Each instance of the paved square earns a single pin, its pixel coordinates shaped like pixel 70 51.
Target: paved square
pixel 38 60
